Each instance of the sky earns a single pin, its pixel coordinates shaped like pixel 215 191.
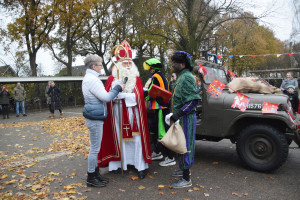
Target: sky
pixel 279 20
pixel 280 16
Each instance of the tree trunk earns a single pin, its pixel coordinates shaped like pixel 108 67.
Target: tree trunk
pixel 69 66
pixel 69 51
pixel 33 65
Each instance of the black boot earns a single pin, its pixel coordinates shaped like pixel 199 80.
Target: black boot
pixel 99 177
pixel 92 181
pixel 141 174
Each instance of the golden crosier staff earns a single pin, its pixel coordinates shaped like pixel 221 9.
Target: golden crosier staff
pixel 114 49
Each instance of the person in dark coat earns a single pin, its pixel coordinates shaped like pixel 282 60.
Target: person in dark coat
pixel 293 96
pixel 4 102
pixel 48 98
pixel 54 93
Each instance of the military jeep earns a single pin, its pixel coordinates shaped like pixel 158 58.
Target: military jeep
pixel 262 140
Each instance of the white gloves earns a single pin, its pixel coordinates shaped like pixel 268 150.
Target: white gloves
pixel 121 95
pixel 130 99
pixel 168 119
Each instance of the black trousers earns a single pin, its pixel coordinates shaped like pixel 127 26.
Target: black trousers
pixel 159 147
pixel 52 109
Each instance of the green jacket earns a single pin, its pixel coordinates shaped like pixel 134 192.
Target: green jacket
pixel 19 93
pixel 185 90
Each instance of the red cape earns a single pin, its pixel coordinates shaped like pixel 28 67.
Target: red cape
pixel 110 150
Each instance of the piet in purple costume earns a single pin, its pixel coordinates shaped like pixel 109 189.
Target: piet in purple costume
pixel 183 106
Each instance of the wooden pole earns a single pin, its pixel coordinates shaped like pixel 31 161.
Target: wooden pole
pixel 120 130
pixel 119 113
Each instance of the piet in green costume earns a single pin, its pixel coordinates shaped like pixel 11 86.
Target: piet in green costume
pixel 183 106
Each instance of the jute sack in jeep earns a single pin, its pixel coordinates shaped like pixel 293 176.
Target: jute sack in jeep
pixel 251 85
pixel 175 139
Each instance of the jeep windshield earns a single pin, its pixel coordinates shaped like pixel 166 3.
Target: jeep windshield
pixel 213 73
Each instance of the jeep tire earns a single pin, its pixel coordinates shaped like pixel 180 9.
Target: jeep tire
pixel 262 148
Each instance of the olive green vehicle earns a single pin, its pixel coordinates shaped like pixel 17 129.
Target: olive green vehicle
pixel 262 140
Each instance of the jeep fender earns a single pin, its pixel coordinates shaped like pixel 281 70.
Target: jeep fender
pixel 279 121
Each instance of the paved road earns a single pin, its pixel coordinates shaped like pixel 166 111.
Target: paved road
pixel 33 167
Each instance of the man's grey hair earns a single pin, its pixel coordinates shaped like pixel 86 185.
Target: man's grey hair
pixel 291 73
pixel 92 60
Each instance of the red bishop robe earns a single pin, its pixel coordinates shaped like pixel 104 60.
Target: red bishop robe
pixel 110 150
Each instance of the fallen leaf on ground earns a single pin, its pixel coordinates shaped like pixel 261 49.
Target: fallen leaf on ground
pixel 68 187
pixel 36 187
pixel 150 176
pixel 53 173
pixel 236 194
pixel 30 165
pixel 141 187
pixel 4 176
pixel 160 187
pixel 9 182
pixel 73 174
pixel 134 178
pixel 72 192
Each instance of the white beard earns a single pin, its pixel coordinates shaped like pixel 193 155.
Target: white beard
pixel 131 73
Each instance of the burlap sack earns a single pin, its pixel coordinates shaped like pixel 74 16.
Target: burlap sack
pixel 175 139
pixel 251 85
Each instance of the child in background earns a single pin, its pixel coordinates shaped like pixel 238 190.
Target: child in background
pixel 293 96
